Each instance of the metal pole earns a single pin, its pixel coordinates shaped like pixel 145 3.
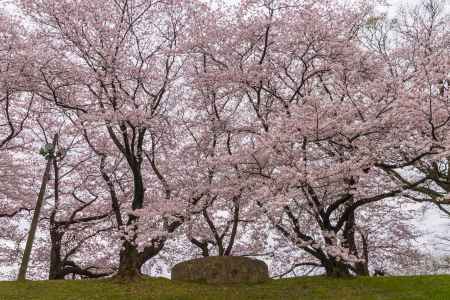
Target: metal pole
pixel 36 215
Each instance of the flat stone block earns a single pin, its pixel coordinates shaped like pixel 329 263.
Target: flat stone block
pixel 221 270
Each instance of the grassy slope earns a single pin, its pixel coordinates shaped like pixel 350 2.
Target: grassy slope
pixel 318 288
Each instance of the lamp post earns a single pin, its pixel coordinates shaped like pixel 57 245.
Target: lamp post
pixel 48 151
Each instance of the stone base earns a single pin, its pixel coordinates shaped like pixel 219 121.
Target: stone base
pixel 221 270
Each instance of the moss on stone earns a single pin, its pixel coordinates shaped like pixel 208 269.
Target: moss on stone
pixel 221 270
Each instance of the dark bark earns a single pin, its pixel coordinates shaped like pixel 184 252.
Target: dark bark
pixel 203 245
pixel 129 264
pixel 223 246
pixel 361 269
pixel 61 265
pixel 56 265
pixel 132 260
pixel 55 234
pixel 332 265
pixel 336 269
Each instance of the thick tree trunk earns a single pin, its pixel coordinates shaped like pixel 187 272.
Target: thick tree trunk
pixel 131 260
pixel 336 269
pixel 362 269
pixel 56 235
pixel 130 263
pixel 56 266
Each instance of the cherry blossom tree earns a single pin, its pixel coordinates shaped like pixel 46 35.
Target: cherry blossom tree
pixel 423 71
pixel 15 101
pixel 15 107
pixel 79 213
pixel 322 115
pixel 228 128
pixel 114 66
pixel 221 220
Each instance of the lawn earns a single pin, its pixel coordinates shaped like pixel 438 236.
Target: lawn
pixel 317 288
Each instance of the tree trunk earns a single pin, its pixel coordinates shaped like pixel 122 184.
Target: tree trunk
pixel 362 269
pixel 130 262
pixel 56 267
pixel 336 269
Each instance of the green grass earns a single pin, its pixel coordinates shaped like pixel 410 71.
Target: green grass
pixel 317 288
